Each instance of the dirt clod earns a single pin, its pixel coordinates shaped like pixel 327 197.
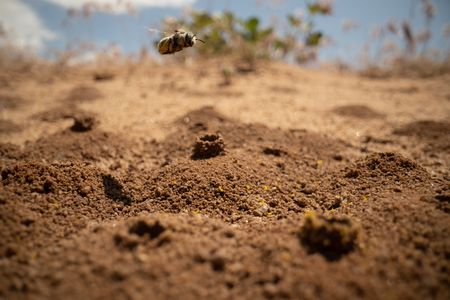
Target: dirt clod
pixel 332 237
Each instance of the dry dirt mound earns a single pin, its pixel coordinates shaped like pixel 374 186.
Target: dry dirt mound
pixel 58 113
pixel 388 168
pixel 226 186
pixel 434 134
pixel 83 93
pixel 48 199
pixel 426 129
pixel 10 151
pixel 254 138
pixel 225 214
pixel 7 126
pixel 77 143
pixel 357 111
pixel 10 102
pixel 243 170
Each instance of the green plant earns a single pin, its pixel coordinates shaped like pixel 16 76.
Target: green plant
pixel 246 40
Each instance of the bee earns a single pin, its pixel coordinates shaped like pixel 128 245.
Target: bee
pixel 177 41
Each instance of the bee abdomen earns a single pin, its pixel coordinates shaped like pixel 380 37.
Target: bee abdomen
pixel 165 45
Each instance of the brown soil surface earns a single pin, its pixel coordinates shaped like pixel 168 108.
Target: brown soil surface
pixel 162 182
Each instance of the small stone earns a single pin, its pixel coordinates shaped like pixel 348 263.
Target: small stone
pixel 308 190
pixel 261 211
pixel 270 290
pixel 85 190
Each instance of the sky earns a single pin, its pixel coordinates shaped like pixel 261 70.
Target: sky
pixel 44 25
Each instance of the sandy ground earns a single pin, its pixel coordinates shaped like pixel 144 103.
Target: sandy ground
pixel 167 181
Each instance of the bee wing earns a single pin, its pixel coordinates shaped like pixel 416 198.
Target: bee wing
pixel 154 30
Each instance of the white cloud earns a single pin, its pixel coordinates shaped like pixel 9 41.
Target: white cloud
pixel 121 6
pixel 25 28
pixel 22 25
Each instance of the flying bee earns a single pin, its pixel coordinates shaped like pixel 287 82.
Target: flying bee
pixel 177 41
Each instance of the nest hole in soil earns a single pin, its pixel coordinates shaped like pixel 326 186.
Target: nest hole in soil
pixel 83 123
pixel 208 146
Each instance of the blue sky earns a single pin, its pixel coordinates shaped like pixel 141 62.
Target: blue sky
pixel 44 24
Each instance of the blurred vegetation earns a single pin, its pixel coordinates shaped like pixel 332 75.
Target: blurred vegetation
pixel 399 50
pixel 395 48
pixel 248 40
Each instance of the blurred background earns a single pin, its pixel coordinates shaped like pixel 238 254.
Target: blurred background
pixel 350 33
